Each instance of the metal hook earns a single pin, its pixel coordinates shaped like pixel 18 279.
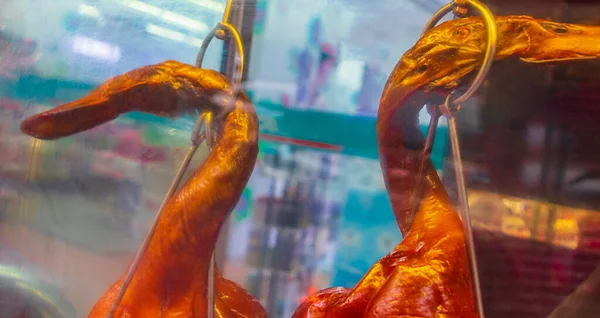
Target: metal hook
pixel 220 31
pixel 490 49
pixel 197 132
pixel 435 114
pixel 449 108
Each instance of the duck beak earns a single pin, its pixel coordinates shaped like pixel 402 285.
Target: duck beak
pixel 577 43
pixel 69 119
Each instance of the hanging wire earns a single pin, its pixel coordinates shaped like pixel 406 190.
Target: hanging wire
pixel 449 109
pixel 136 261
pixel 34 157
pixel 435 115
pixel 220 31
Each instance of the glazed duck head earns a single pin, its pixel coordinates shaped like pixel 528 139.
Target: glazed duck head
pixel 435 66
pixel 171 277
pixel 169 89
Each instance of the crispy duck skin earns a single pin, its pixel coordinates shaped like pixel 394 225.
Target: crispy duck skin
pixel 171 279
pixel 427 275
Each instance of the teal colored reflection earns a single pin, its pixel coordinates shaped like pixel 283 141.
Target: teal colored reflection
pixel 354 134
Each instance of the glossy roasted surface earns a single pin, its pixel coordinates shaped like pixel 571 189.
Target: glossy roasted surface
pixel 428 274
pixel 171 279
pixel 437 65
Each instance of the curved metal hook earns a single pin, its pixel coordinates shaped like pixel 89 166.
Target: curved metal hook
pixel 435 19
pixel 490 50
pixel 221 30
pixel 211 35
pixel 237 77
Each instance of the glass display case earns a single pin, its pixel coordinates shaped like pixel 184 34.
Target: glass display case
pixel 112 204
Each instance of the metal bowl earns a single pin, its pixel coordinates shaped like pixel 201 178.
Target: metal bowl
pixel 22 294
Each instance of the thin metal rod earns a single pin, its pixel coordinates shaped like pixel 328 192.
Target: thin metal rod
pixel 227 12
pixel 31 173
pixel 433 124
pixel 236 82
pixel 426 155
pixel 240 58
pixel 204 46
pixel 465 214
pixel 136 261
pixel 211 287
pixel 437 17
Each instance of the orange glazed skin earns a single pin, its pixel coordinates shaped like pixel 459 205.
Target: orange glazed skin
pixel 171 279
pixel 427 274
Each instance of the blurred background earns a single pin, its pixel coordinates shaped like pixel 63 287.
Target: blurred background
pixel 315 213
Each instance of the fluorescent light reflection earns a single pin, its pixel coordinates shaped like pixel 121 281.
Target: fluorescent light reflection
pixel 96 49
pixel 89 11
pixel 211 5
pixel 172 35
pixel 166 15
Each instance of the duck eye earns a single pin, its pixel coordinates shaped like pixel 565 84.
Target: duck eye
pixel 462 32
pixel 451 51
pixel 554 28
pixel 561 30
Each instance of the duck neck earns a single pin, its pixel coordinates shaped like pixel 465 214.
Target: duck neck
pixel 409 176
pixel 178 257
